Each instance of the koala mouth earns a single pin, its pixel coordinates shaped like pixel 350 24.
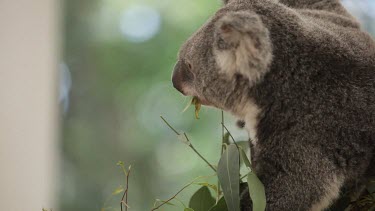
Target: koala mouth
pixel 203 101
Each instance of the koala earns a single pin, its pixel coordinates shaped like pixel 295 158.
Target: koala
pixel 301 75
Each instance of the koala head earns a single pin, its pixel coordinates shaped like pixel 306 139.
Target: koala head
pixel 224 59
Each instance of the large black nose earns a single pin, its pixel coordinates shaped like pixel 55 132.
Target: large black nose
pixel 177 78
pixel 181 77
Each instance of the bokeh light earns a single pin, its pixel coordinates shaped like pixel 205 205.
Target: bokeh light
pixel 140 23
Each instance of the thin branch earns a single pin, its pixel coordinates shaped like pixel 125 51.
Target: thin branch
pixel 177 133
pixel 127 190
pixel 190 144
pixel 222 132
pixel 175 195
pixel 222 150
pixel 122 199
pixel 170 199
pixel 125 195
pixel 234 141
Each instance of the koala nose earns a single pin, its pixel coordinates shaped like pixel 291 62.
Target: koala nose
pixel 181 77
pixel 177 81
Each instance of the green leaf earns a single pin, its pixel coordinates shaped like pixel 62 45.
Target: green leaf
pixel 244 144
pixel 244 158
pixel 118 190
pixel 202 200
pixel 257 193
pixel 220 206
pixel 228 171
pixel 188 209
pixel 256 188
pixel 213 187
pixel 226 139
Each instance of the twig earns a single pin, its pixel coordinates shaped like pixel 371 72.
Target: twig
pixel 177 133
pixel 234 141
pixel 170 199
pixel 190 144
pixel 174 196
pixel 222 132
pixel 125 195
pixel 222 150
pixel 127 190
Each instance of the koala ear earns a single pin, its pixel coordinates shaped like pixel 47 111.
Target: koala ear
pixel 242 45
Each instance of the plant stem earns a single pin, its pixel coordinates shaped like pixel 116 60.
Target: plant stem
pixel 174 196
pixel 190 144
pixel 222 150
pixel 170 199
pixel 235 143
pixel 177 133
pixel 222 132
pixel 125 195
pixel 127 191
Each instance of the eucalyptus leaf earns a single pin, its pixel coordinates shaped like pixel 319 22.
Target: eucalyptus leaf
pixel 220 206
pixel 228 174
pixel 257 193
pixel 213 187
pixel 256 188
pixel 202 200
pixel 244 158
pixel 244 144
pixel 226 138
pixel 118 191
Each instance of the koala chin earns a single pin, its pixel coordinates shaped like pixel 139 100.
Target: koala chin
pixel 301 75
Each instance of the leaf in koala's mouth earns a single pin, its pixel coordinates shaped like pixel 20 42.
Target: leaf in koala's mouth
pixel 197 105
pixel 196 102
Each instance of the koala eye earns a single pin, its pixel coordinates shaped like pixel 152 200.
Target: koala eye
pixel 189 65
pixel 189 69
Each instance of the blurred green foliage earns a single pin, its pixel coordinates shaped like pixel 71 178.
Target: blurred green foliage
pixel 120 88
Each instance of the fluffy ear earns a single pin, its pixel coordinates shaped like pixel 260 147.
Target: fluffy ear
pixel 242 45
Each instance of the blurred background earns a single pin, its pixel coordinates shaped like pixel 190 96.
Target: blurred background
pixel 111 62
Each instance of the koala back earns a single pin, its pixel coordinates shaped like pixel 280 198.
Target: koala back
pixel 320 89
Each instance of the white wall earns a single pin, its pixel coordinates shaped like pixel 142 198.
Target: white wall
pixel 29 40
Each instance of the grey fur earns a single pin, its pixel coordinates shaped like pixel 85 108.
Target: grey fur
pixel 316 94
